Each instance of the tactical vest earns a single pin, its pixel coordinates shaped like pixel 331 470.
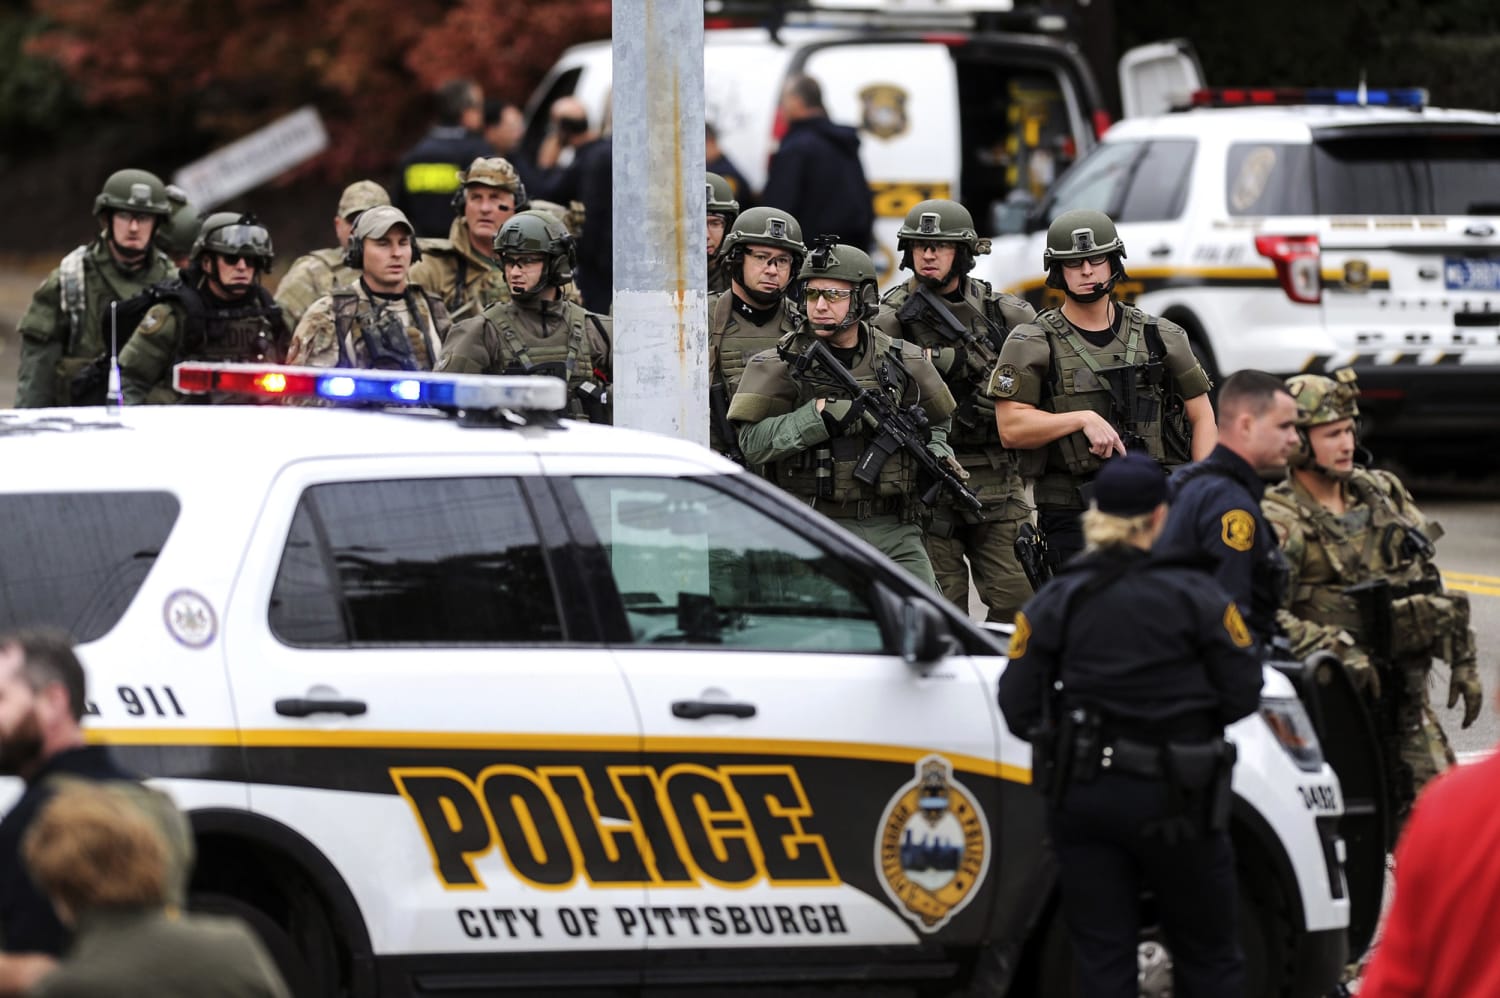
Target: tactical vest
pixel 234 333
pixel 733 341
pixel 566 357
pixel 390 344
pixel 824 475
pixel 1364 543
pixel 88 282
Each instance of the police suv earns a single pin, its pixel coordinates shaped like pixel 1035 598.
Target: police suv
pixel 465 698
pixel 1305 231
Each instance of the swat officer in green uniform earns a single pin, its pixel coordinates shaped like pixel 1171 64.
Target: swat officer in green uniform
pixel 315 274
pixel 175 236
pixel 65 331
pixel 537 331
pixel 812 438
pixel 761 253
pixel 462 269
pixel 723 209
pixel 963 322
pixel 219 311
pixel 383 322
pixel 1339 525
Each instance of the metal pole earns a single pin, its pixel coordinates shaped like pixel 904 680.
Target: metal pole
pixel 661 275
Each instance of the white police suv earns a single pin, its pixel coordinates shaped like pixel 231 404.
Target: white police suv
pixel 1308 230
pixel 465 699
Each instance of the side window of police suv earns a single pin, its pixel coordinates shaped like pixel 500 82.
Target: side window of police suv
pixel 696 566
pixel 439 561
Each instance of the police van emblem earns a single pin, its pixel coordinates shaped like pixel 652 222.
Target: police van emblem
pixel 1357 275
pixel 933 848
pixel 190 618
pixel 883 112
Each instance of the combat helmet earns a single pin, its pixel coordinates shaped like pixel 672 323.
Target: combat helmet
pixel 1321 400
pixel 940 220
pixel 539 232
pixel 133 190
pixel 491 171
pixel 1079 235
pixel 176 236
pixel 231 233
pixel 843 262
pixel 720 198
pixel 765 227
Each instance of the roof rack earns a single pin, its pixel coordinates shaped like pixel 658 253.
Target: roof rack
pixel 463 395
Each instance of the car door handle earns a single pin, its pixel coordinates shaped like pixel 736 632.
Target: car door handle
pixel 304 707
pixel 1161 249
pixel 692 710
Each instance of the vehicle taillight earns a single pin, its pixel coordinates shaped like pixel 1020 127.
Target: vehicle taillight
pixel 1297 265
pixel 1101 123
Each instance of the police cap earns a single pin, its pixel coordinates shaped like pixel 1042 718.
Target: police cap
pixel 1130 485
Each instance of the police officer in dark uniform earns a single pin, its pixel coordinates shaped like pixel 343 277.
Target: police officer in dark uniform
pixel 1123 673
pixel 1216 502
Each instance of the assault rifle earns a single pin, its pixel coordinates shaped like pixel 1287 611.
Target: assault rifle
pixel 896 428
pixel 718 417
pixel 1373 598
pixel 981 353
pixel 1129 407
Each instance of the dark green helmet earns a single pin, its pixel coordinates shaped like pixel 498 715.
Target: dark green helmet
pixel 539 232
pixel 721 198
pixel 133 190
pixel 766 227
pixel 940 221
pixel 1079 234
pixel 230 233
pixel 177 235
pixel 839 261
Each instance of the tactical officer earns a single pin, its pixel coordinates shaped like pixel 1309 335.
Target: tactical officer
pixel 1093 378
pixel 384 321
pixel 218 311
pixel 1216 502
pixel 963 322
pixel 537 331
pixel 723 209
pixel 1123 673
pixel 65 331
pixel 791 417
pixel 177 234
pixel 1341 525
pixel 462 269
pixel 312 276
pixel 761 253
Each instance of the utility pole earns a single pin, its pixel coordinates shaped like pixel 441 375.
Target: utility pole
pixel 661 272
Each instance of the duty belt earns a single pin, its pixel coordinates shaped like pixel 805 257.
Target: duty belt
pixel 861 509
pixel 1131 758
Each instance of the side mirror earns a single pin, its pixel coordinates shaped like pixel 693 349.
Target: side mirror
pixel 924 633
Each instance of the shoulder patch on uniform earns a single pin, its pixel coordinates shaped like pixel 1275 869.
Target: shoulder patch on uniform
pixel 1005 382
pixel 1020 636
pixel 1239 529
pixel 1234 624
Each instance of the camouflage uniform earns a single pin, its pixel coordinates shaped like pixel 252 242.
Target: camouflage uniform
pixel 66 330
pixel 1377 536
pixel 987 538
pixel 340 329
pixel 466 280
pixel 314 275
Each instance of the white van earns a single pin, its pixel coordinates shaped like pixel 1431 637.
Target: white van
pixel 953 100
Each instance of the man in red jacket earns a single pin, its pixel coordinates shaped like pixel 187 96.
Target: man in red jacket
pixel 1439 937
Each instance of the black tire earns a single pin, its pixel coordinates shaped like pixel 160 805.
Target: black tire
pixel 295 970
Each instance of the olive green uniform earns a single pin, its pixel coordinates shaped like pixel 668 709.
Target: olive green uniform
pixel 719 278
pixel 559 338
pixel 156 953
pixel 310 278
pixel 249 331
pixel 1327 552
pixel 466 280
pixel 1051 365
pixel 353 328
pixel 986 538
pixel 57 341
pixel 734 337
pixel 780 426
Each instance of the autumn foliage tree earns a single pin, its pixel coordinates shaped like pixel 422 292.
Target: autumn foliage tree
pixel 223 68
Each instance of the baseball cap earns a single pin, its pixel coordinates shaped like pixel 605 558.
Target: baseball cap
pixel 362 195
pixel 1129 486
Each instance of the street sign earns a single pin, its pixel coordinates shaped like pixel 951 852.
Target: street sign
pixel 248 162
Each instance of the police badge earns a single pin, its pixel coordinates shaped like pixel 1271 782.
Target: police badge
pixel 933 847
pixel 883 112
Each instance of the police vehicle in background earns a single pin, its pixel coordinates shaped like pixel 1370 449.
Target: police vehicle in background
pixel 964 99
pixel 1306 231
pixel 464 698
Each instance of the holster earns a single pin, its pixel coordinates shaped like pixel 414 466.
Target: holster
pixel 1203 773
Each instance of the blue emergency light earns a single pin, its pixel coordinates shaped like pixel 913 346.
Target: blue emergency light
pixel 352 386
pixel 1411 97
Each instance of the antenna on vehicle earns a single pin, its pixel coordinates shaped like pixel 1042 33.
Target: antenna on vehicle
pixel 113 396
pixel 1363 94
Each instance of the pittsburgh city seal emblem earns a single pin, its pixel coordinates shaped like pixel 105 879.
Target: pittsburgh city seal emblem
pixel 933 848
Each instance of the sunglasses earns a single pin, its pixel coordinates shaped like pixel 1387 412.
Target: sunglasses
pixel 235 259
pixel 830 295
pixel 1092 261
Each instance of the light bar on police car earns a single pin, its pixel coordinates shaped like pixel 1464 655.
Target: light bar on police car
pixel 352 385
pixel 1283 96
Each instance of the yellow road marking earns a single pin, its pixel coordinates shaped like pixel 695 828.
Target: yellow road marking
pixel 1469 587
pixel 1493 580
pixel 1470 582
